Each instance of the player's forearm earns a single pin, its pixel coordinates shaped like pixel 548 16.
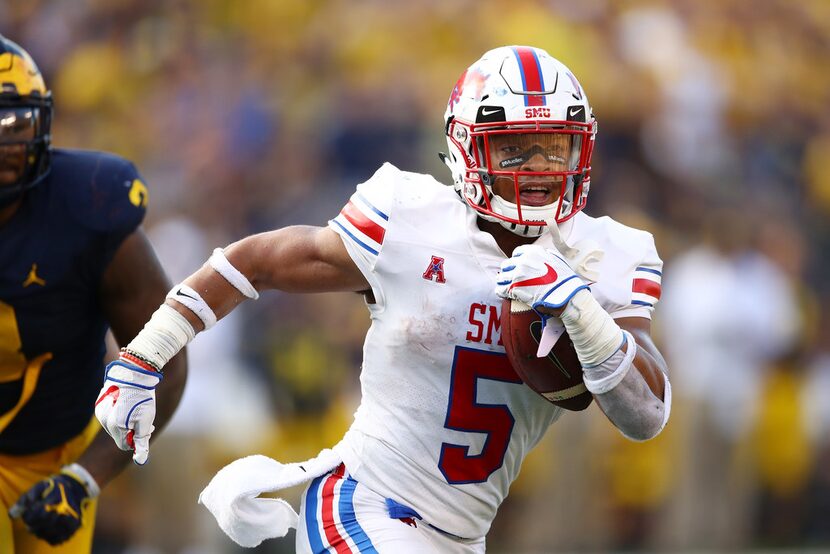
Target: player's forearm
pixel 627 399
pixel 190 307
pixel 616 370
pixel 296 259
pixel 194 305
pixel 641 404
pixel 103 460
pixel 631 405
pixel 217 293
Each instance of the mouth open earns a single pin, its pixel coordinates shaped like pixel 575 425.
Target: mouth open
pixel 536 194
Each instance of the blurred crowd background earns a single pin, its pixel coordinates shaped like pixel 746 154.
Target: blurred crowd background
pixel 714 134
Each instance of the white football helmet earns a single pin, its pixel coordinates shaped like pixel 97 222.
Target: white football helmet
pixel 523 92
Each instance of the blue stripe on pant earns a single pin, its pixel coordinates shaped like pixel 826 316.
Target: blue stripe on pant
pixel 311 523
pixel 345 508
pixel 349 519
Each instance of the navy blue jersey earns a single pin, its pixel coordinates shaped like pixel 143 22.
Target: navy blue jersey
pixel 53 254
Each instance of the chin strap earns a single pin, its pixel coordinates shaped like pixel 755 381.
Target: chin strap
pixel 530 213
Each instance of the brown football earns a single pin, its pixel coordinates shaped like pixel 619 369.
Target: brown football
pixel 558 376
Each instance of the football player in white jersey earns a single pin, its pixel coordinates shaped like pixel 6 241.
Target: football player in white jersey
pixel 444 422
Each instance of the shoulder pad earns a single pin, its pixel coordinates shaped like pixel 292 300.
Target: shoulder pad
pixel 635 244
pixel 630 271
pixel 101 191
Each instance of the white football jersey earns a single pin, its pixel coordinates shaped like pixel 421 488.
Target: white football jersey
pixel 444 422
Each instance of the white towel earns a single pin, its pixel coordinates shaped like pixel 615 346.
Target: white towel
pixel 231 496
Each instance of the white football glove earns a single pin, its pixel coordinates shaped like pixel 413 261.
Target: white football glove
pixel 538 277
pixel 126 407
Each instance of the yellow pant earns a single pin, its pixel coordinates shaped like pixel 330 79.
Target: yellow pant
pixel 18 473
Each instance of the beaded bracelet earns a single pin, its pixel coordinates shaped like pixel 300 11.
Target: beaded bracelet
pixel 139 360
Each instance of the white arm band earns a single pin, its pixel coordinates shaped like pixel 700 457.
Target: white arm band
pixel 191 299
pixel 163 336
pixel 168 331
pixel 225 268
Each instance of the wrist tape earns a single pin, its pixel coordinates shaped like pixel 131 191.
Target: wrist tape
pixel 163 336
pixel 607 375
pixel 593 332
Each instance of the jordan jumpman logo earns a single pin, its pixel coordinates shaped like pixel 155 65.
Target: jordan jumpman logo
pixel 33 279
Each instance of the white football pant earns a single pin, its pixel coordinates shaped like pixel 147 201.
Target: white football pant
pixel 339 515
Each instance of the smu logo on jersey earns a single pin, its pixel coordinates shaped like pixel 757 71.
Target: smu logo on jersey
pixel 485 324
pixel 537 112
pixel 435 270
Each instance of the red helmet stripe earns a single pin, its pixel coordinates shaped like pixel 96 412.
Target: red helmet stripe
pixel 531 75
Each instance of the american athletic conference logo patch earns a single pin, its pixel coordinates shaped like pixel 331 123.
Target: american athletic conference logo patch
pixel 435 270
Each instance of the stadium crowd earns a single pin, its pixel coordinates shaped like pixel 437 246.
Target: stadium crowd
pixel 714 135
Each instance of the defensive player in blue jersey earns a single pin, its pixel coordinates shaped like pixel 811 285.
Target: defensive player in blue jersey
pixel 73 262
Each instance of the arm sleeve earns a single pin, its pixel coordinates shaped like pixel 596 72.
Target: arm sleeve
pixel 363 224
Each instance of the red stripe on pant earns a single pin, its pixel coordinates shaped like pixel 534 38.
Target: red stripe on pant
pixel 333 536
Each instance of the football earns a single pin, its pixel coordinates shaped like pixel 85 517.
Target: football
pixel 557 376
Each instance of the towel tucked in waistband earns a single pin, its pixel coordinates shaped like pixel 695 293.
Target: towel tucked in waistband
pixel 232 495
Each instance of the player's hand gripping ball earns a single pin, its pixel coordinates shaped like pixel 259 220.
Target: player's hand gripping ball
pixel 534 278
pixel 556 376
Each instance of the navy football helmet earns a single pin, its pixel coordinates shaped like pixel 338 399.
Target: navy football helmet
pixel 25 120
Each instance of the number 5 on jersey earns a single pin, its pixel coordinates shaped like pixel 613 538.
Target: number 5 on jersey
pixel 464 413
